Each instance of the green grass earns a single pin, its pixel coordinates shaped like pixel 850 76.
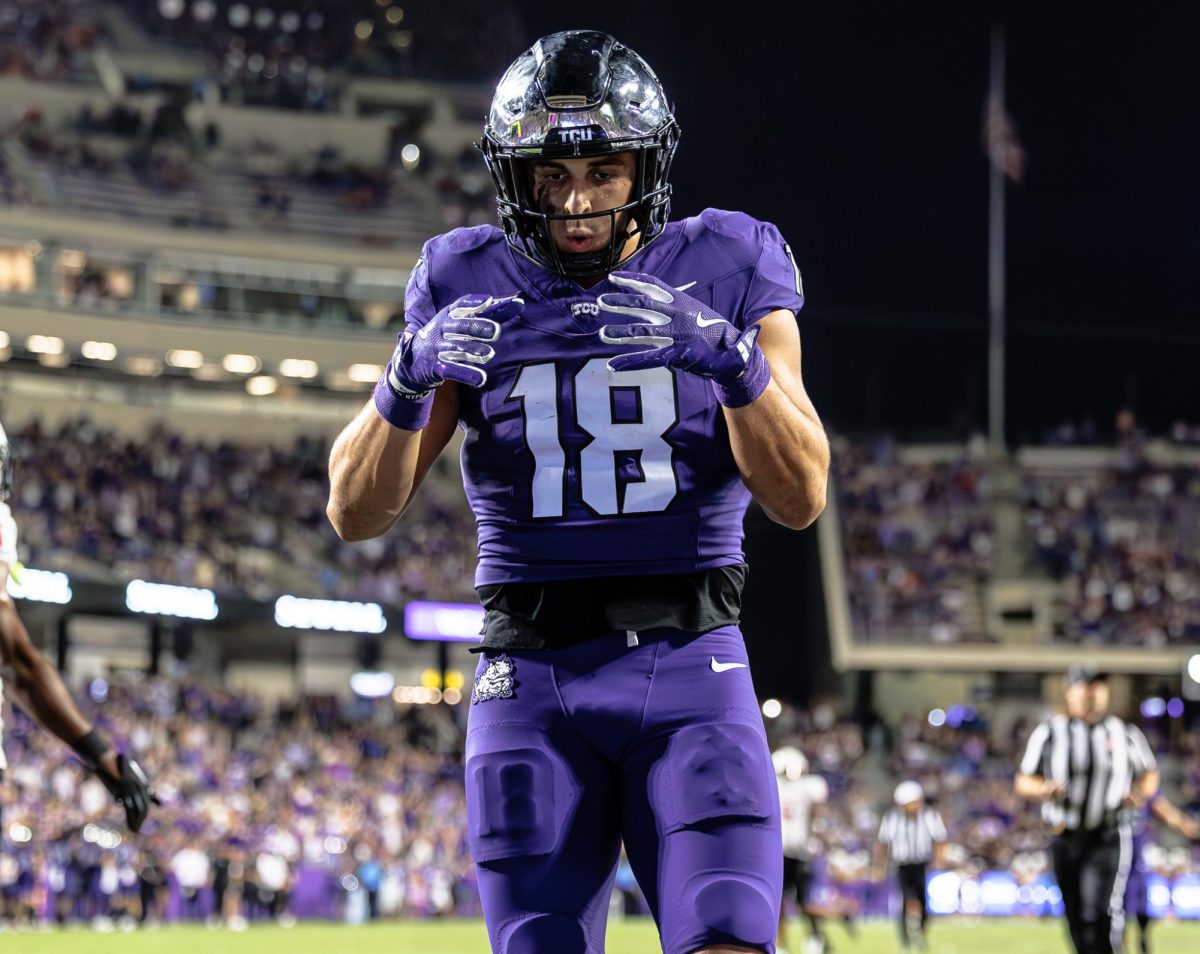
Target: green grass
pixel 466 937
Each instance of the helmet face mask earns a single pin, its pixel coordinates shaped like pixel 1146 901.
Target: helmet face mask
pixel 580 94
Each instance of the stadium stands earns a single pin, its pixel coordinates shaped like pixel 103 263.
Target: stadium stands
pixel 350 797
pixel 243 519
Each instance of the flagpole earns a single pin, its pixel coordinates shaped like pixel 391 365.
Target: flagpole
pixel 996 333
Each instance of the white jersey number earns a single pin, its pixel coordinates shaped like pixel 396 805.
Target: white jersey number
pixel 595 398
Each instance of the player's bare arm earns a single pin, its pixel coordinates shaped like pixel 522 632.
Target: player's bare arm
pixel 1144 788
pixel 1036 788
pixel 379 461
pixel 375 469
pixel 39 690
pixel 1170 815
pixel 778 440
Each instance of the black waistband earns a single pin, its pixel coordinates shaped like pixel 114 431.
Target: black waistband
pixel 563 612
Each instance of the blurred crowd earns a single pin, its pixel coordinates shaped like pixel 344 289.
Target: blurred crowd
pixel 966 766
pixel 314 807
pixel 1125 544
pixel 298 58
pixel 917 541
pixel 48 39
pixel 231 518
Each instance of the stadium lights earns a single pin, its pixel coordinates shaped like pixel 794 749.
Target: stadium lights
pixel 410 155
pixel 424 696
pixel 160 599
pixel 1193 668
pixel 261 385
pixel 299 368
pixel 146 367
pixel 60 360
pixel 294 612
pixel 937 718
pixel 364 373
pixel 395 15
pixel 41 586
pixel 372 685
pixel 444 622
pixel 44 344
pixel 4 340
pixel 241 363
pixel 185 358
pixel 772 708
pixel 98 350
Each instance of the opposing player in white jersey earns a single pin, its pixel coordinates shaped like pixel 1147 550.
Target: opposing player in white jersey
pixel 799 794
pixel 36 685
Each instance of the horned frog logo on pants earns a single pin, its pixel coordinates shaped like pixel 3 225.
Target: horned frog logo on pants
pixel 496 681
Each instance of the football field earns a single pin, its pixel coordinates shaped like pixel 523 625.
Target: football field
pixel 466 937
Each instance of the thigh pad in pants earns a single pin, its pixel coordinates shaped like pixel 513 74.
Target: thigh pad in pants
pixel 713 774
pixel 519 801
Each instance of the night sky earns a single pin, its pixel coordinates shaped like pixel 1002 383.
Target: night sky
pixel 856 129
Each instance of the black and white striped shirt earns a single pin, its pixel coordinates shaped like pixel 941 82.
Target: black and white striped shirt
pixel 1098 763
pixel 910 838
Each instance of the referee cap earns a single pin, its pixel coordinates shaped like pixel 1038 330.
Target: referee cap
pixel 907 792
pixel 1083 673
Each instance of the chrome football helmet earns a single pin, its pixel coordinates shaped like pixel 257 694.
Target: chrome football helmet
pixel 579 94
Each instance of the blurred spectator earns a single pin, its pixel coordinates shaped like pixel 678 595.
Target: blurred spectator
pixel 247 519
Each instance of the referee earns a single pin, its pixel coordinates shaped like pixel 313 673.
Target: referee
pixel 908 836
pixel 1091 771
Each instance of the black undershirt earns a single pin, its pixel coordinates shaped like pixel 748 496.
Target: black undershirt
pixel 563 612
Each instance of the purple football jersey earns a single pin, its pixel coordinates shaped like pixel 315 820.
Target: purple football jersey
pixel 573 470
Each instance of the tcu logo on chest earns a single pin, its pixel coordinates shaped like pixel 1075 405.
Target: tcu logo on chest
pixel 585 308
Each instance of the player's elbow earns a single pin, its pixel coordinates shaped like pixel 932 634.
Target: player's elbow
pixel 351 525
pixel 801 511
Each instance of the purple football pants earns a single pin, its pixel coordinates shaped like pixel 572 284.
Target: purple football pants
pixel 660 745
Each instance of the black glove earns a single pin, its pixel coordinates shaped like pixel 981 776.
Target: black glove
pixel 131 787
pixel 133 790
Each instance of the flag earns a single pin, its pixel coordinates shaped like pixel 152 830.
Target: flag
pixel 1000 142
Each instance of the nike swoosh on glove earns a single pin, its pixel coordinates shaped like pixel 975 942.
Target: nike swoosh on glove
pixel 452 346
pixel 674 330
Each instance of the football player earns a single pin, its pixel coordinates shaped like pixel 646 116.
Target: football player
pixel 39 689
pixel 625 384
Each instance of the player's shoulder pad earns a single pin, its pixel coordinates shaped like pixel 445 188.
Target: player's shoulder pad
pixel 462 241
pixel 739 236
pixel 452 256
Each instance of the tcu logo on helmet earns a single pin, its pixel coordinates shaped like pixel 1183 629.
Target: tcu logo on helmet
pixel 585 308
pixel 586 134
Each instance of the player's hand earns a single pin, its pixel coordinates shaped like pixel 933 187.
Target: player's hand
pixel 452 346
pixel 129 785
pixel 673 330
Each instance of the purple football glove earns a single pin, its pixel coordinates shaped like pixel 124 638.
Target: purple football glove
pixel 675 330
pixel 452 346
